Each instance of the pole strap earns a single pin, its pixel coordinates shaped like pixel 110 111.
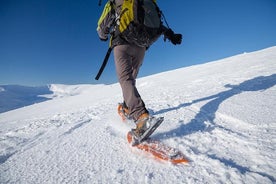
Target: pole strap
pixel 104 63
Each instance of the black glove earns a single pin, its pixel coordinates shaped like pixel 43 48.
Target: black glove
pixel 174 38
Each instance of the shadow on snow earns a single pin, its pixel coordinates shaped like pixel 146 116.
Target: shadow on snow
pixel 207 113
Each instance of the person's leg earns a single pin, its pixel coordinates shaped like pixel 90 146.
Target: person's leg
pixel 128 59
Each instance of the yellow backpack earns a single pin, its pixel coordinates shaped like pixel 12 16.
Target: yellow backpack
pixel 139 21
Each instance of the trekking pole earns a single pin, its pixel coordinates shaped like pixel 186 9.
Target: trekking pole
pixel 165 19
pixel 104 63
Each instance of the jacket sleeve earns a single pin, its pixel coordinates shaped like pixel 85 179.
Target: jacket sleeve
pixel 106 21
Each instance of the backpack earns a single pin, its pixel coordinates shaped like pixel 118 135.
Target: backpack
pixel 139 21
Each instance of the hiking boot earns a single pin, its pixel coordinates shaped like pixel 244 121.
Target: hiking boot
pixel 142 124
pixel 145 126
pixel 123 111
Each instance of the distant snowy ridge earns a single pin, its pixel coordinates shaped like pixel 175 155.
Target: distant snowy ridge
pixel 61 90
pixel 16 96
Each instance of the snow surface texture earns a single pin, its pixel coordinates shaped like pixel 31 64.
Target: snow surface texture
pixel 221 115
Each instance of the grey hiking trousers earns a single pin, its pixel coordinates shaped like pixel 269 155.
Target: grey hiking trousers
pixel 128 60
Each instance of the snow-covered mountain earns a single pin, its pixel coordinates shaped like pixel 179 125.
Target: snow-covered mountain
pixel 15 96
pixel 221 115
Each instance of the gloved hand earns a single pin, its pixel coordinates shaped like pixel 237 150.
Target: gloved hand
pixel 174 38
pixel 104 39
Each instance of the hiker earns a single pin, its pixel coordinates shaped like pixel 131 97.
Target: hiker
pixel 128 56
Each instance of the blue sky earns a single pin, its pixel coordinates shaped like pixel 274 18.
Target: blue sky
pixel 55 41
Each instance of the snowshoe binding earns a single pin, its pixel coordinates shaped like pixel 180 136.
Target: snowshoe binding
pixel 145 126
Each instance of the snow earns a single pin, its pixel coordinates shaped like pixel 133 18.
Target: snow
pixel 221 115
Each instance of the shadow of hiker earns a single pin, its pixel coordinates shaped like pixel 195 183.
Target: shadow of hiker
pixel 230 163
pixel 207 112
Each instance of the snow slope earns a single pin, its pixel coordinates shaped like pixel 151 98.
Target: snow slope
pixel 221 115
